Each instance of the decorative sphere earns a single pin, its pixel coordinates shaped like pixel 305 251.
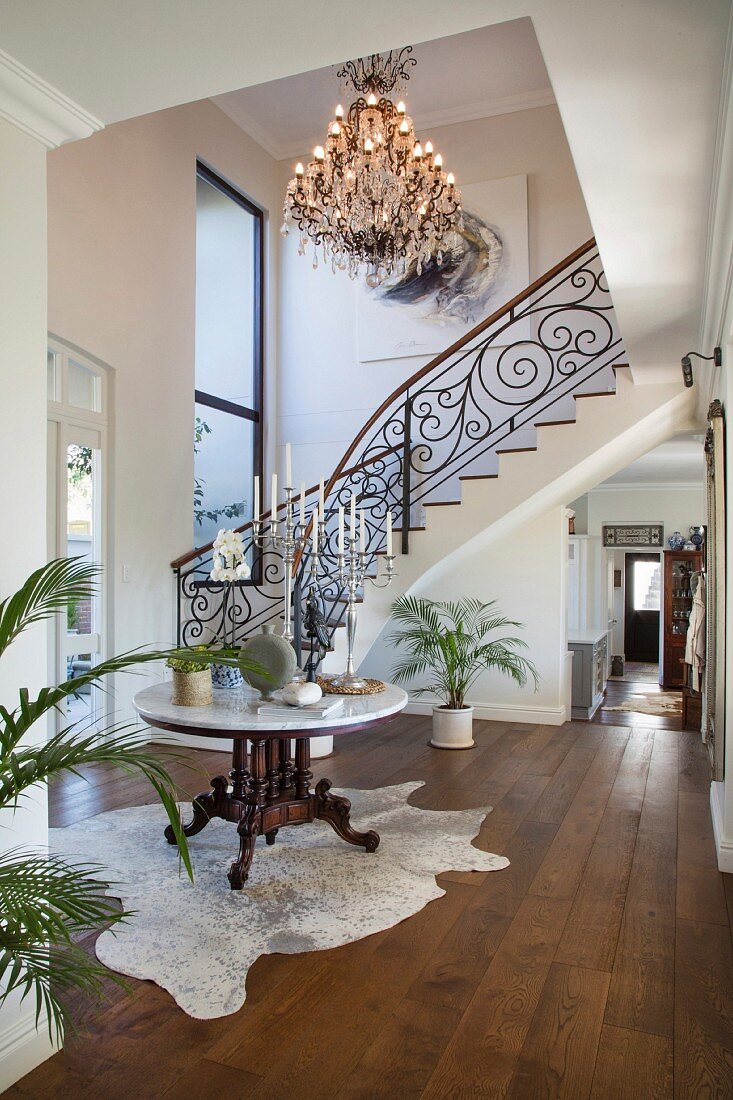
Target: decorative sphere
pixel 275 655
pixel 301 694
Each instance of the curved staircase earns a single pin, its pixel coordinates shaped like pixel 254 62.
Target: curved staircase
pixel 530 409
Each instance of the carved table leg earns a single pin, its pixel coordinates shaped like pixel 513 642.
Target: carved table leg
pixel 248 829
pixel 258 783
pixel 303 774
pixel 286 765
pixel 270 837
pixel 205 806
pixel 335 810
pixel 273 772
pixel 239 775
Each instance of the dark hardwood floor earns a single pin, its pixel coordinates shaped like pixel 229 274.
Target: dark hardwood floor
pixel 599 964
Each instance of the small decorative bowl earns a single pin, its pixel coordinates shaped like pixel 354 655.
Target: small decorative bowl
pixel 225 676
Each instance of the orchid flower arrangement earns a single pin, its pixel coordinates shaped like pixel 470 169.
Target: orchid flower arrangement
pixel 228 558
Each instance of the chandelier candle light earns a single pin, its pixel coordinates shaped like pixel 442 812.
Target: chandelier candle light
pixel 373 196
pixel 295 539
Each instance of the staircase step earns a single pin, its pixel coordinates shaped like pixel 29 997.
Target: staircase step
pixel 441 503
pixel 477 477
pixel 514 450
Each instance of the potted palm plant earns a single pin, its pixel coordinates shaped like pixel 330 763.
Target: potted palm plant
pixel 47 902
pixel 451 642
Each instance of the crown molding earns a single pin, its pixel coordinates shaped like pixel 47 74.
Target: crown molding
pixel 40 110
pixel 646 486
pixel 525 101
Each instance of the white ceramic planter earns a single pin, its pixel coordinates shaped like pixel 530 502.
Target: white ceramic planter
pixel 452 729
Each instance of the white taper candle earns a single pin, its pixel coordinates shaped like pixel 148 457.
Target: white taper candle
pixel 341 529
pixel 389 534
pixel 256 504
pixel 352 520
pixel 288 466
pixel 361 531
pixel 273 502
pixel 322 499
pixel 314 517
pixel 302 504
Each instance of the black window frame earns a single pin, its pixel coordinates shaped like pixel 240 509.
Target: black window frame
pixel 201 397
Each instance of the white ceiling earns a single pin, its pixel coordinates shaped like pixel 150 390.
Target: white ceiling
pixel 493 70
pixel 638 85
pixel 679 461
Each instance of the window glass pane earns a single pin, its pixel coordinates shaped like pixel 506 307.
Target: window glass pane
pixel 51 375
pixel 84 387
pixel 80 532
pixel 223 472
pixel 225 296
pixel 647 586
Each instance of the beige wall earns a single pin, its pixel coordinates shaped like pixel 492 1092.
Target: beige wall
pixel 121 286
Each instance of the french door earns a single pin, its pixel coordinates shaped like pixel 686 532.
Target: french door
pixel 77 507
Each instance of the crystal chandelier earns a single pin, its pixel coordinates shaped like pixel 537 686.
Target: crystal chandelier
pixel 374 198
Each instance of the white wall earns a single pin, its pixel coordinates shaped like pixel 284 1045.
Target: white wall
pixel 526 575
pixel 23 461
pixel 326 394
pixel 122 238
pixel 678 508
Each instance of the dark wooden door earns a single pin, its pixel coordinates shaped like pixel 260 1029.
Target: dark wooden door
pixel 643 600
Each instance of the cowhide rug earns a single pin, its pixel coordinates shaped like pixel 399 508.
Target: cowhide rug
pixel 307 892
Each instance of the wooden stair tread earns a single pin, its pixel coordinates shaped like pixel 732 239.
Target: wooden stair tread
pixel 440 503
pixel 514 450
pixel 477 477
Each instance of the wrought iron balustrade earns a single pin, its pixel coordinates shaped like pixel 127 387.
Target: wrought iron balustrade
pixel 451 417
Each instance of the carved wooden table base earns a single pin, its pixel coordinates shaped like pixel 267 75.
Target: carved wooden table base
pixel 275 793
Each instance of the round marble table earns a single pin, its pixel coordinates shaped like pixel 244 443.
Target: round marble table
pixel 268 790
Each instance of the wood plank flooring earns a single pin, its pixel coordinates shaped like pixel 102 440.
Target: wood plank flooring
pixel 598 965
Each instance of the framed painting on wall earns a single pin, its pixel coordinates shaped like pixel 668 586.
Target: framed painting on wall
pixel 422 314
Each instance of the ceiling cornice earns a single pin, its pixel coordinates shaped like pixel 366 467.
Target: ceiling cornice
pixel 525 101
pixel 39 109
pixel 646 486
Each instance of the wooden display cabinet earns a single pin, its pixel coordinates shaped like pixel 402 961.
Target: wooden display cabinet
pixel 678 564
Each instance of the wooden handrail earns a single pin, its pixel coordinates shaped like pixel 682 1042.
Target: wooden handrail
pixel 200 550
pixel 342 470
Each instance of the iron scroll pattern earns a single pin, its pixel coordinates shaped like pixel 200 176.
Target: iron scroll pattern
pixel 488 394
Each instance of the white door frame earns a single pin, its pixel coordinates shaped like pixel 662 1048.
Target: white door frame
pixel 87 427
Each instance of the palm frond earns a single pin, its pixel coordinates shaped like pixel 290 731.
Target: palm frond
pixel 449 639
pixel 47 591
pixel 44 903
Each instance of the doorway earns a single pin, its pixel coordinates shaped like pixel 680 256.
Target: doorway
pixel 77 509
pixel 643 601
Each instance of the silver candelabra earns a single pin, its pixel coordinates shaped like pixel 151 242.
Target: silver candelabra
pixel 288 544
pixel 352 574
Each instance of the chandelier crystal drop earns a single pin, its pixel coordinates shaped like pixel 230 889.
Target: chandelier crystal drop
pixel 374 198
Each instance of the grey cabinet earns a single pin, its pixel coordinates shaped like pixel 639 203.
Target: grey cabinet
pixel 589 672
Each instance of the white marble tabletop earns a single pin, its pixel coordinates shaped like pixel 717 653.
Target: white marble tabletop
pixel 231 713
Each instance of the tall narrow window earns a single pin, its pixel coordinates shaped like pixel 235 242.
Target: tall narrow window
pixel 229 309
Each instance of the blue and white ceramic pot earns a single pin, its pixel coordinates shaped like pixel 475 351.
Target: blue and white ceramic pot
pixel 676 540
pixel 696 537
pixel 224 676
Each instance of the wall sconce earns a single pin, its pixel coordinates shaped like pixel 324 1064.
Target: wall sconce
pixel 716 358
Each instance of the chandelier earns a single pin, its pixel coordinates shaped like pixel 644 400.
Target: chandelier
pixel 374 198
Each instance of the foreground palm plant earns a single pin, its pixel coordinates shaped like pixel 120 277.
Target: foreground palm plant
pixel 46 902
pixel 450 641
